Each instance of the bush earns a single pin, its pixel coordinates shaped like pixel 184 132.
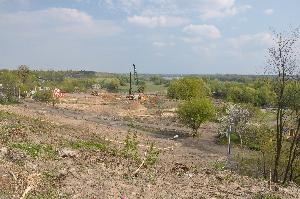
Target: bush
pixel 141 87
pixel 43 96
pixel 187 88
pixel 112 84
pixel 194 112
pixel 130 149
pixel 71 85
pixel 152 155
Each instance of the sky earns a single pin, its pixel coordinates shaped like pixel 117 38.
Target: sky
pixel 158 36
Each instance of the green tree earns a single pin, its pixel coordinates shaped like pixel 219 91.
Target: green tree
pixel 9 82
pixel 187 88
pixel 23 73
pixel 265 96
pixel 157 80
pixel 195 112
pixel 112 84
pixel 141 87
pixel 282 64
pixel 43 96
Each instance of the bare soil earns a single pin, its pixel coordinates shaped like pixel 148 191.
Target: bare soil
pixel 186 168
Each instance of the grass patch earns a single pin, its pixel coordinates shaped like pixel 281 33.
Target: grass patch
pixel 152 155
pixel 223 139
pixel 130 149
pixel 150 88
pixel 36 150
pixel 219 165
pixel 6 115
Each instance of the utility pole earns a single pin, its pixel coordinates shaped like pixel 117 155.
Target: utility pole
pixel 135 74
pixel 130 84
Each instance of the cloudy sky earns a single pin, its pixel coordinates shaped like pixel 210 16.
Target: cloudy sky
pixel 159 36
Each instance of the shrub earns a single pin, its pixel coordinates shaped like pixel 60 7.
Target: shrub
pixel 152 155
pixel 130 149
pixel 43 96
pixel 112 84
pixel 194 112
pixel 141 87
pixel 187 88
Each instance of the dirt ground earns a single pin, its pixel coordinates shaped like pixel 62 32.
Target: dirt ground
pixel 186 167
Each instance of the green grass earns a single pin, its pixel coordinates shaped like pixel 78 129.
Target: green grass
pixel 36 150
pixel 5 115
pixel 150 88
pixel 219 165
pixel 224 140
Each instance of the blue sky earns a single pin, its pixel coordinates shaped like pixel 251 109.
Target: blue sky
pixel 159 36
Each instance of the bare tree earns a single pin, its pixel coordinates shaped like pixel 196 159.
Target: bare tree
pixel 282 64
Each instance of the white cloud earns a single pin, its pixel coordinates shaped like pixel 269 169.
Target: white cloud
pixel 156 21
pixel 131 3
pixel 57 20
pixel 16 1
pixel 204 31
pixel 163 44
pixel 205 9
pixel 123 5
pixel 192 39
pixel 255 41
pixel 218 8
pixel 269 12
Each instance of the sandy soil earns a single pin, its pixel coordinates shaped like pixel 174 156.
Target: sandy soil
pixel 185 169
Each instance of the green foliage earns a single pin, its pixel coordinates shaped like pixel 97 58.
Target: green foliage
pixel 241 94
pixel 152 155
pixel 219 165
pixel 292 95
pixel 9 81
pixel 23 73
pixel 187 88
pixel 124 80
pixel 43 96
pixel 71 85
pixel 223 139
pixel 111 84
pixel 158 80
pixel 194 112
pixel 130 149
pixel 258 92
pixel 141 87
pixel 36 150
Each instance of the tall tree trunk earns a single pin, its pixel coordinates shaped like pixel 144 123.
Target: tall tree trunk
pixel 278 144
pixel 293 147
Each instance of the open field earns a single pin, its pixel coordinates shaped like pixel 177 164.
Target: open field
pixel 79 149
